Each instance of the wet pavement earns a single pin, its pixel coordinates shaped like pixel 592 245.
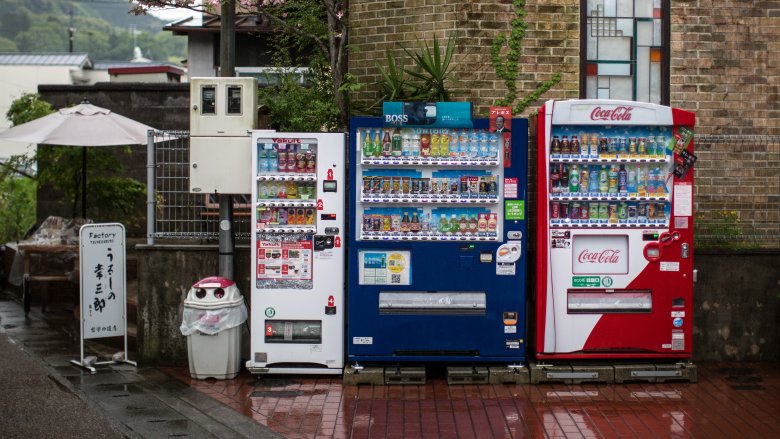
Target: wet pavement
pixel 730 400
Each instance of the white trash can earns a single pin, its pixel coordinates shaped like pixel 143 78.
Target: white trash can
pixel 214 311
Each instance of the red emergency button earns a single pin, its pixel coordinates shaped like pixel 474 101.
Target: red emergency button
pixel 330 308
pixel 331 301
pixel 330 174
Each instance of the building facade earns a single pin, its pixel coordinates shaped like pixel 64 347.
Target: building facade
pixel 717 58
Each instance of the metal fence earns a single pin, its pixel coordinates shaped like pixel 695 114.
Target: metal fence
pixel 737 199
pixel 172 211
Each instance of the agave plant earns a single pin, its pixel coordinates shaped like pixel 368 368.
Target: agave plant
pixel 394 85
pixel 431 69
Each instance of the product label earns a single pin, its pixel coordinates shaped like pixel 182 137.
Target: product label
pixel 385 267
pixel 586 281
pixel 505 269
pixel 362 340
pixel 510 329
pixel 670 266
pixel 514 210
pixel 510 187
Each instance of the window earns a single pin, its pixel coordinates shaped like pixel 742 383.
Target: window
pixel 625 50
pixel 272 75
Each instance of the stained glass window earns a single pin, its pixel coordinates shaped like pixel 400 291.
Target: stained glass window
pixel 626 50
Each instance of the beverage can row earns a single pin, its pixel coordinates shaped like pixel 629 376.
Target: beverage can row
pixel 286 216
pixel 607 212
pixel 463 224
pixel 466 186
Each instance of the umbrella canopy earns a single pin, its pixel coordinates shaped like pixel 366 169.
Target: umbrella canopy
pixel 83 125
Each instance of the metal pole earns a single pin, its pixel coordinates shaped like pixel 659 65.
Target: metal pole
pixel 150 191
pixel 227 68
pixel 84 182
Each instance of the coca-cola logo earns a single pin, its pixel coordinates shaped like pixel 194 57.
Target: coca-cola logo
pixel 617 113
pixel 606 256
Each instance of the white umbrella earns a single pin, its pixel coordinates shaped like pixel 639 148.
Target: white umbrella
pixel 82 125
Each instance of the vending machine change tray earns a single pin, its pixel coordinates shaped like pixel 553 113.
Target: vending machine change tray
pixel 432 302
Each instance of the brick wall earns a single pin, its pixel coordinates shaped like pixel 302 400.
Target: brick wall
pixel 725 66
pixel 551 42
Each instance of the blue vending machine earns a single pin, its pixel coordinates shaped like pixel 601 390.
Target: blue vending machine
pixel 437 256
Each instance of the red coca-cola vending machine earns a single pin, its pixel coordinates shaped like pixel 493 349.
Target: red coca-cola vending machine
pixel 614 230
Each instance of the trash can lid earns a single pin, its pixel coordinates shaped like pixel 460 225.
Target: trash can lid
pixel 214 282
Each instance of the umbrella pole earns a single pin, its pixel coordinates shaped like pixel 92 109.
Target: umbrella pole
pixel 84 182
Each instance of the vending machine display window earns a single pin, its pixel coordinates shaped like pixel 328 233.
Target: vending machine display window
pixel 293 331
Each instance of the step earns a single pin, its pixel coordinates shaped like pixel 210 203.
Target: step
pixel 509 375
pixel 363 375
pixel 405 375
pixel 467 375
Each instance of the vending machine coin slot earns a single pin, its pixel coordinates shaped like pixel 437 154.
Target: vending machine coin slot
pixel 331 230
pixel 486 257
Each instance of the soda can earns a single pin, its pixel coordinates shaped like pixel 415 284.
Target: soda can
pixel 555 209
pixel 585 212
pixel 565 210
pixel 395 222
pixel 387 222
pixel 434 186
pixel 575 211
pixel 464 187
pixel 641 211
pixel 425 186
pixel 309 216
pixel 659 210
pixel 311 162
pixel 594 211
pixel 376 223
pixel 396 186
pixel 367 185
pixel 622 211
pixel 632 211
pixel 300 162
pixel 415 190
pixel 650 210
pixel 366 223
pixel 387 184
pixel 291 161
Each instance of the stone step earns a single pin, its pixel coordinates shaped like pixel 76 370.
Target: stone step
pixel 608 372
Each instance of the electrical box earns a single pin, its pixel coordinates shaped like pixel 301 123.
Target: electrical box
pixel 219 164
pixel 223 107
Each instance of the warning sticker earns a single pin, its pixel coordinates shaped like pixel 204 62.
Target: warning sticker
pixel 510 329
pixel 505 269
pixel 670 266
pixel 510 187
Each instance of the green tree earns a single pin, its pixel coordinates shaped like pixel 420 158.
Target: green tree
pixel 7 45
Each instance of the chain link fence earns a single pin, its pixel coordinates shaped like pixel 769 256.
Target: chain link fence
pixel 737 193
pixel 175 213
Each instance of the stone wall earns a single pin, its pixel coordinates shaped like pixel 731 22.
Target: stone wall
pixel 165 275
pixel 736 302
pixel 161 106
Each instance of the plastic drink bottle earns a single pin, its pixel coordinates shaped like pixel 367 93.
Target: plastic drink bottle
pixel 631 183
pixel 574 179
pixel 603 180
pixel 444 144
pixel 613 180
pixel 622 179
pixel 368 147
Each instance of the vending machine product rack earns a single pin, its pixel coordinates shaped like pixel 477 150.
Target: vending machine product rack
pixel 437 248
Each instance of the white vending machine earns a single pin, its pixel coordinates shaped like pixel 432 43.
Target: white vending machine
pixel 298 253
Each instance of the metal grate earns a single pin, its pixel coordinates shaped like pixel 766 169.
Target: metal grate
pixel 174 212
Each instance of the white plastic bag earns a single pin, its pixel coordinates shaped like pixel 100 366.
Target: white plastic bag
pixel 212 321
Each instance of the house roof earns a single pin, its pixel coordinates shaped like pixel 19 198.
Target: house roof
pixel 140 69
pixel 108 64
pixel 80 60
pixel 245 23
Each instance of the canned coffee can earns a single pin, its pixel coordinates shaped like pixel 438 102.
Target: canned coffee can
pixel 603 211
pixel 575 210
pixel 585 211
pixel 565 210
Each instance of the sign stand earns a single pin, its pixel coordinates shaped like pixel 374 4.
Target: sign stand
pixel 102 286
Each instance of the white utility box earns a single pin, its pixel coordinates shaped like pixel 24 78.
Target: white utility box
pixel 223 106
pixel 219 164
